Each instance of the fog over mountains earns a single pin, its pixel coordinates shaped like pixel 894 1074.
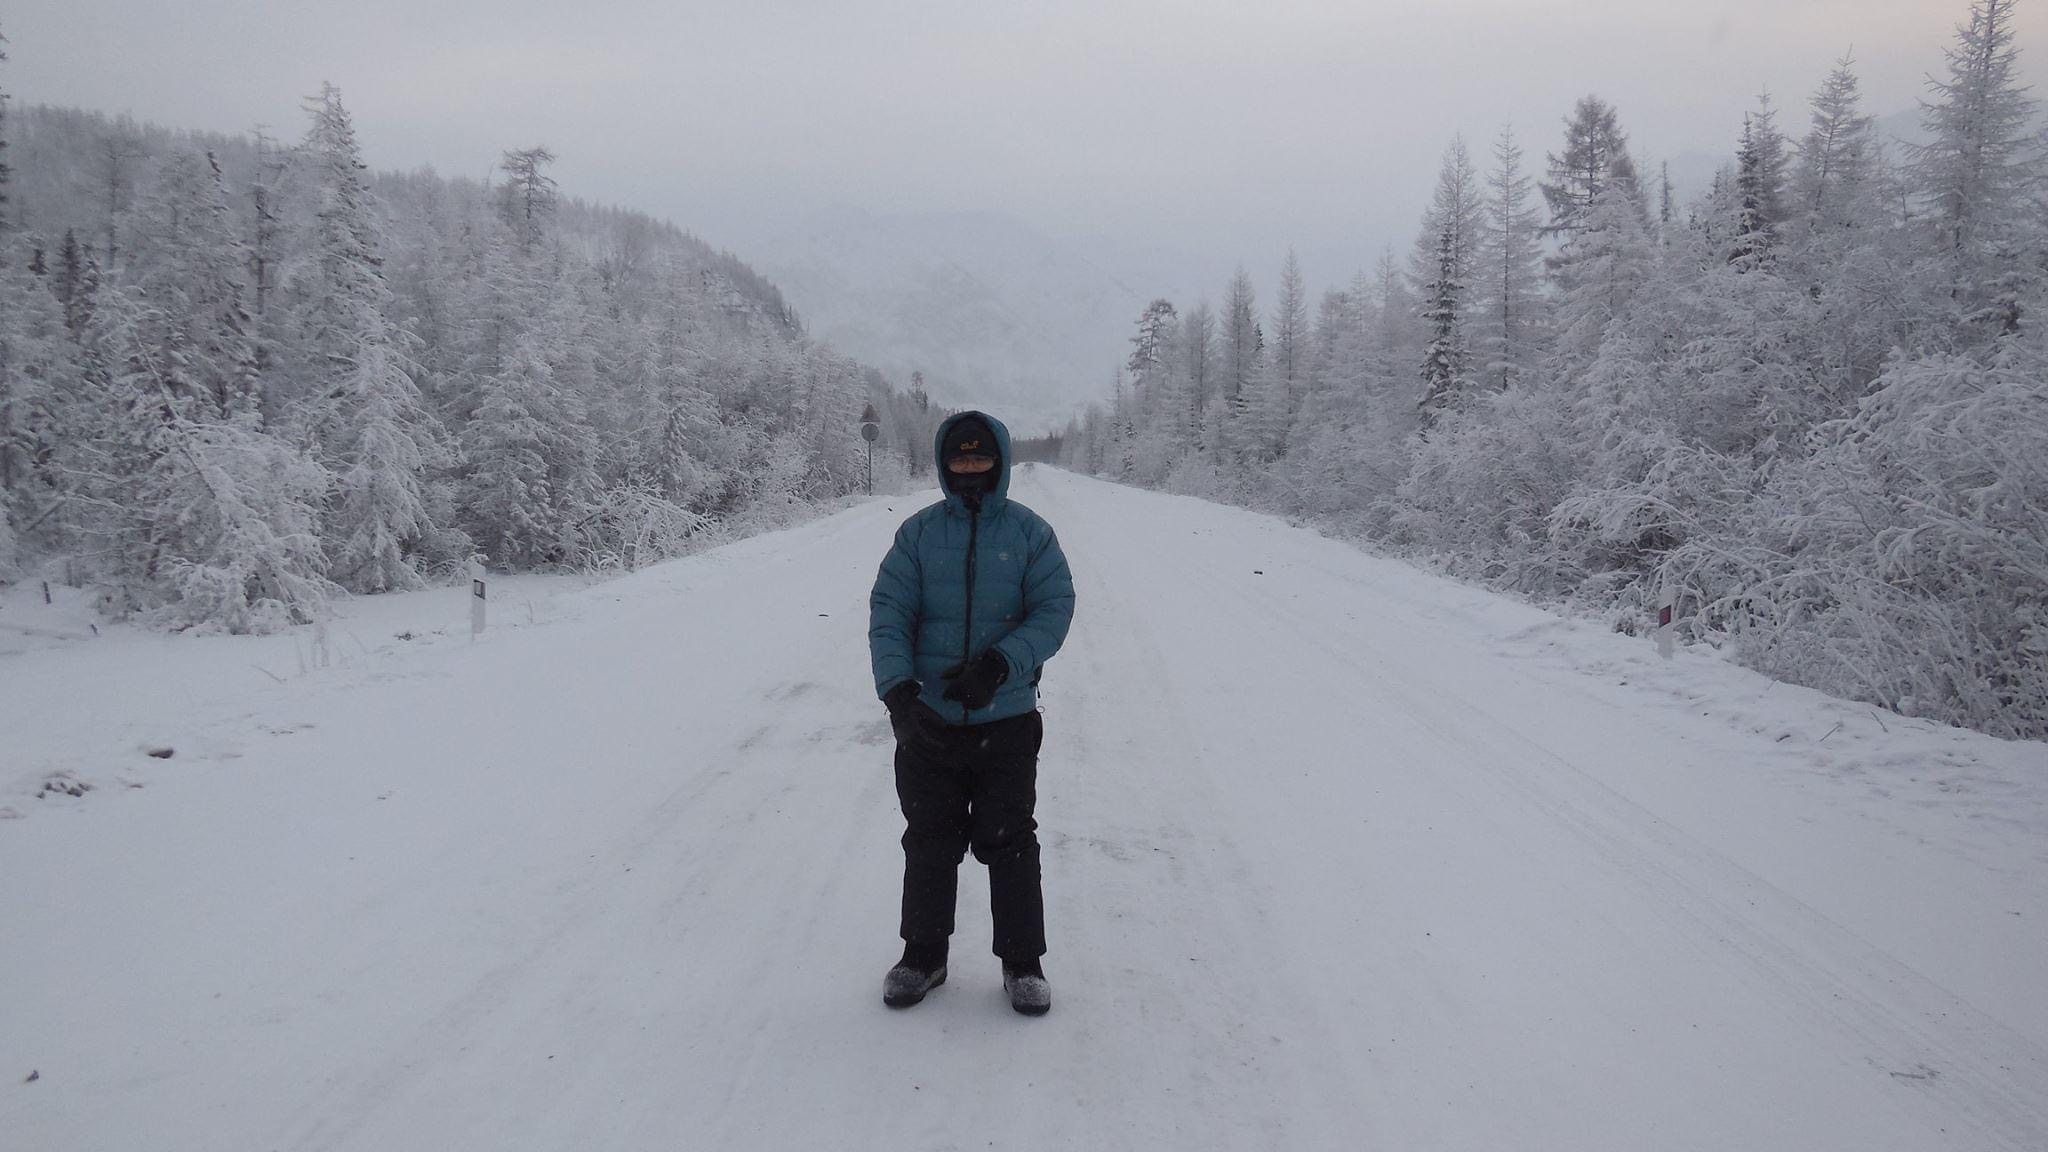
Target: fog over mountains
pixel 992 311
pixel 1002 314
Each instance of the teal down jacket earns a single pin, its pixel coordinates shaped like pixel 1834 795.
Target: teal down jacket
pixel 958 582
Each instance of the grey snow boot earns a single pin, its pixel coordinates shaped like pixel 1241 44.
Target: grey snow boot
pixel 921 970
pixel 1025 981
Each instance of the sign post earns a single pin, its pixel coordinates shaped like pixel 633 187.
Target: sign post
pixel 477 598
pixel 1667 610
pixel 870 431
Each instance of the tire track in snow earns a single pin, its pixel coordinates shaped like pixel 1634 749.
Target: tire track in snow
pixel 1264 1071
pixel 1989 1079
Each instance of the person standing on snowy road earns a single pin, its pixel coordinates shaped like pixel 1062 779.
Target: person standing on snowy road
pixel 971 601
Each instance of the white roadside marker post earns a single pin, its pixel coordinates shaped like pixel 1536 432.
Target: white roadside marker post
pixel 477 593
pixel 1667 610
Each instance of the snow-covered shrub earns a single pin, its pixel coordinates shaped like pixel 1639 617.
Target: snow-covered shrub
pixel 632 526
pixel 1658 493
pixel 1482 485
pixel 232 543
pixel 10 570
pixel 1906 562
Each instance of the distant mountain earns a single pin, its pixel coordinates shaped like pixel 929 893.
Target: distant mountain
pixel 992 311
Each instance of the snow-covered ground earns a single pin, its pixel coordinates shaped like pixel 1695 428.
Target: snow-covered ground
pixel 1338 855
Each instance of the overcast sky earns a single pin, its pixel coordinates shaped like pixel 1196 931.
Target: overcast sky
pixel 1233 129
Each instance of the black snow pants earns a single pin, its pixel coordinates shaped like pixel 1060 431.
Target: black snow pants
pixel 979 791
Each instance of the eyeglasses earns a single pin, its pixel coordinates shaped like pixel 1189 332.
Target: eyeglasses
pixel 970 464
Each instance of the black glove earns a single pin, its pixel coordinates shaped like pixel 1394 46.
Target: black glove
pixel 917 727
pixel 976 684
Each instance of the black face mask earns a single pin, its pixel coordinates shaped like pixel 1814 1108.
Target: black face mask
pixel 973 483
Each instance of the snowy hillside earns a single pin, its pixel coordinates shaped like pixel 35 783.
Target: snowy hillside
pixel 1338 855
pixel 994 313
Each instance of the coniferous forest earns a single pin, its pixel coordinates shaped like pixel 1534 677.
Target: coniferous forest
pixel 1811 404
pixel 242 375
pixel 239 376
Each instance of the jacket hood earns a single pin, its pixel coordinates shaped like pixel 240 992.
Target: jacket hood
pixel 1001 492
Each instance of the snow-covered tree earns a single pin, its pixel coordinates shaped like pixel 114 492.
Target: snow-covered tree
pixel 1507 304
pixel 76 282
pixel 208 521
pixel 1241 350
pixel 1288 363
pixel 1603 260
pixel 1837 154
pixel 1148 357
pixel 1270 398
pixel 362 417
pixel 1759 188
pixel 1595 157
pixel 1445 361
pixel 6 172
pixel 530 194
pixel 187 268
pixel 1983 159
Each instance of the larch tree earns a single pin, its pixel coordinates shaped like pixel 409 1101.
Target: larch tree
pixel 6 173
pixel 1240 346
pixel 1509 281
pixel 187 271
pixel 1444 268
pixel 115 161
pixel 530 195
pixel 1148 359
pixel 1837 153
pixel 1595 156
pixel 1607 257
pixel 1198 363
pixel 1282 373
pixel 1981 161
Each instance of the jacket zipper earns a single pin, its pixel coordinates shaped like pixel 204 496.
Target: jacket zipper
pixel 967 644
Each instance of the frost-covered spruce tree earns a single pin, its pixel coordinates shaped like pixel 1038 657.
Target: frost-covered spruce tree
pixel 1983 159
pixel 1444 358
pixel 1507 304
pixel 363 418
pixel 1759 188
pixel 75 280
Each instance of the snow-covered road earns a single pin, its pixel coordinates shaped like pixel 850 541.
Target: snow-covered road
pixel 1338 855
